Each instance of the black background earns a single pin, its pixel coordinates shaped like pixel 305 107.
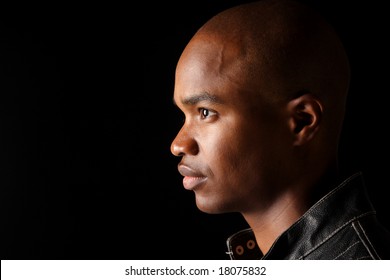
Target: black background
pixel 87 120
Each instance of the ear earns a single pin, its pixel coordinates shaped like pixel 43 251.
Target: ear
pixel 305 114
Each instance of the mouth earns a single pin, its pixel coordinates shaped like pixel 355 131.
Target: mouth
pixel 192 178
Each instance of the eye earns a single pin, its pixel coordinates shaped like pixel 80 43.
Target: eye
pixel 205 113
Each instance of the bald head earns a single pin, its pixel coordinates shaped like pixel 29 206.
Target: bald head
pixel 263 89
pixel 281 48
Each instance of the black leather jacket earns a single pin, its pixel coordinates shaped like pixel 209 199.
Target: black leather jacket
pixel 340 226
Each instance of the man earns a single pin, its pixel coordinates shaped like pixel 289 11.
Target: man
pixel 263 88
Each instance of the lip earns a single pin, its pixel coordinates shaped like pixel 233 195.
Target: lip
pixel 192 178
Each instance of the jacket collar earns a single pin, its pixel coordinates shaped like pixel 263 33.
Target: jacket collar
pixel 337 209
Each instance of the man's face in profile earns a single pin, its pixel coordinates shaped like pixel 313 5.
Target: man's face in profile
pixel 229 141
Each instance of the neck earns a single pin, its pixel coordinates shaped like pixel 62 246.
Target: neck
pixel 268 225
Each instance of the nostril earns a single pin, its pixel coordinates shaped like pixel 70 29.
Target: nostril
pixel 183 148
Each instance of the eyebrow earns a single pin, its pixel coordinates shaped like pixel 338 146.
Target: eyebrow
pixel 204 96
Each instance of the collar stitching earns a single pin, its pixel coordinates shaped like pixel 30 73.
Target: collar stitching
pixel 335 231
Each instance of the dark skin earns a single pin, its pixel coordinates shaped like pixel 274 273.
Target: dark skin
pixel 262 116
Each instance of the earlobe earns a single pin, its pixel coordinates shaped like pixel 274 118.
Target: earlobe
pixel 305 114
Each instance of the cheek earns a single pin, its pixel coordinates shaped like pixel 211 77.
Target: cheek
pixel 230 154
pixel 248 154
pixel 238 166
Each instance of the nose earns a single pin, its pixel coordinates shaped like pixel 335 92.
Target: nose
pixel 184 144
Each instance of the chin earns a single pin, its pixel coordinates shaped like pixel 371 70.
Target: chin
pixel 211 206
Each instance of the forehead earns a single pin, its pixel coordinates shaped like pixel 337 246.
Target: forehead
pixel 213 54
pixel 210 66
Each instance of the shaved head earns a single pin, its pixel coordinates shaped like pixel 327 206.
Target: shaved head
pixel 262 85
pixel 263 88
pixel 271 77
pixel 283 49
